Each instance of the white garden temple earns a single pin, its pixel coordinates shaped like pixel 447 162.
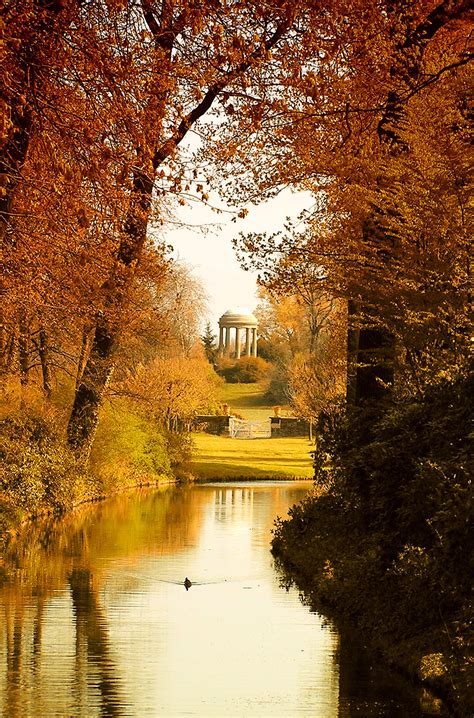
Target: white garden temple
pixel 245 326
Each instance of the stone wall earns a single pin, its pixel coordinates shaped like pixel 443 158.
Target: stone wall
pixel 289 426
pixel 211 424
pixel 280 425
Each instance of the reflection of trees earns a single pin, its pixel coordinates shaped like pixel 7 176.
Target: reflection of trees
pixel 367 687
pixel 163 521
pixel 45 560
pixel 91 634
pixel 14 634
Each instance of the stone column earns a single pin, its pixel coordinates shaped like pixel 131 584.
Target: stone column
pixel 221 340
pixel 247 341
pixel 254 342
pixel 237 342
pixel 227 341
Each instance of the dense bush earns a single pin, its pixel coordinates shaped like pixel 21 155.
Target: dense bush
pixel 179 445
pixel 246 370
pixel 37 471
pixel 128 447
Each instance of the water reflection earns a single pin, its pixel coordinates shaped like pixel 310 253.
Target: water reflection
pixel 93 660
pixel 96 620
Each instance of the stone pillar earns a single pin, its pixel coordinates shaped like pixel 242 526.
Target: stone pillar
pixel 237 342
pixel 221 340
pixel 254 341
pixel 247 341
pixel 227 341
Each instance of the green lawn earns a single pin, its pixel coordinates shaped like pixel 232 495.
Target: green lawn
pixel 247 401
pixel 218 457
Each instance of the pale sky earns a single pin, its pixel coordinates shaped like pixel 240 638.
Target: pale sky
pixel 211 256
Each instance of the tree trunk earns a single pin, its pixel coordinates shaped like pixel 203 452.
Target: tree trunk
pixel 370 361
pixel 89 393
pixel 23 356
pixel 43 351
pixel 83 354
pixel 8 351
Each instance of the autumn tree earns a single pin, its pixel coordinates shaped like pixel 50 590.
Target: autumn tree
pixel 174 390
pixel 355 143
pixel 126 83
pixel 302 333
pixel 193 54
pixel 31 48
pixel 62 196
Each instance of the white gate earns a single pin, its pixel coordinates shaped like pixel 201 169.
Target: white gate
pixel 240 429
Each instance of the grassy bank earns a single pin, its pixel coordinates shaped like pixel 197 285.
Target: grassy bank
pixel 39 474
pixel 218 457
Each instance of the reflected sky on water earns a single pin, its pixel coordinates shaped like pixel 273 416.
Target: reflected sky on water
pixel 95 619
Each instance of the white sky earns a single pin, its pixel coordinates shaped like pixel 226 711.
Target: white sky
pixel 211 256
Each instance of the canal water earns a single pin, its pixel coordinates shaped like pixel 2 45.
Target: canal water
pixel 95 619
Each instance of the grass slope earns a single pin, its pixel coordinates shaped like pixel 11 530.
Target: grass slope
pixel 247 400
pixel 218 457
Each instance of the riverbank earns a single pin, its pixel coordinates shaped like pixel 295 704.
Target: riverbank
pixel 338 575
pixel 385 539
pixel 40 475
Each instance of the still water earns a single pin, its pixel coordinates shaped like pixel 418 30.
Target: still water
pixel 95 619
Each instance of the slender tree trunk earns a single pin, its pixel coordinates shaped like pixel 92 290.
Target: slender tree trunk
pixel 83 354
pixel 352 352
pixel 8 351
pixel 24 357
pixel 371 350
pixel 43 351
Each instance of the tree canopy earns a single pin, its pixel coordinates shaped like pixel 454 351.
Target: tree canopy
pixel 343 99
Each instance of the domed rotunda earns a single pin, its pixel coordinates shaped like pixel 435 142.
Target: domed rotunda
pixel 240 320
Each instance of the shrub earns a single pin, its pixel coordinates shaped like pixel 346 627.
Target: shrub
pixel 128 447
pixel 393 521
pixel 180 448
pixel 246 370
pixel 37 470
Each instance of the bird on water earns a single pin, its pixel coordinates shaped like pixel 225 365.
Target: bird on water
pixel 187 583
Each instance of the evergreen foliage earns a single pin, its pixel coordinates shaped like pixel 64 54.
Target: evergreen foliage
pixel 209 343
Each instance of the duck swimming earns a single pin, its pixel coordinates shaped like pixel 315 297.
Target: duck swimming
pixel 187 583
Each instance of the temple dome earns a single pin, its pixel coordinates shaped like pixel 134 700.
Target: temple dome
pixel 238 316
